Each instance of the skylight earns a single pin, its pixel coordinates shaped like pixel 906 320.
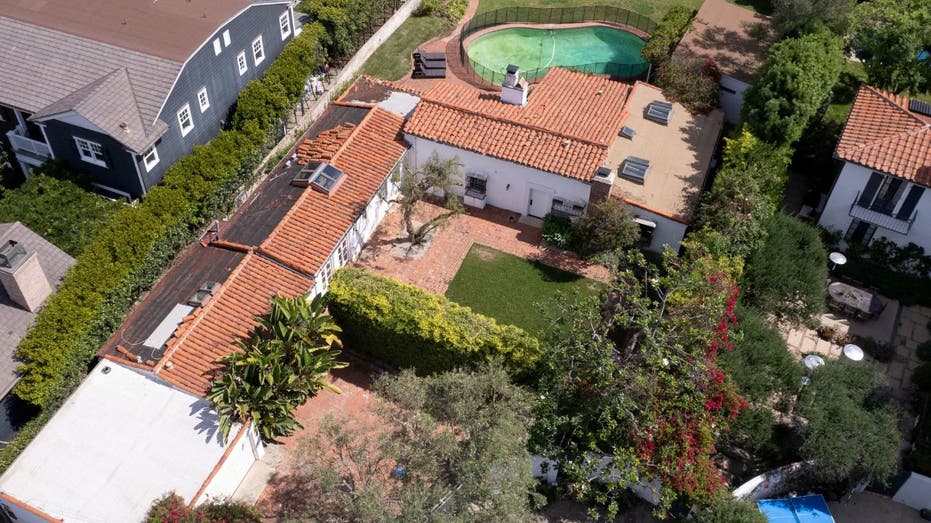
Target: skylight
pixel 627 132
pixel 635 169
pixel 659 112
pixel 917 106
pixel 326 178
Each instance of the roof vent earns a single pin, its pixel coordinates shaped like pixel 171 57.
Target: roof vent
pixel 12 255
pixel 603 172
pixel 917 106
pixel 627 132
pixel 659 112
pixel 635 169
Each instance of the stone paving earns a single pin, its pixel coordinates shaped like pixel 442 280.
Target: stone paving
pixel 440 262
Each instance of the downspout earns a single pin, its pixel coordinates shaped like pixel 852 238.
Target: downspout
pixel 138 173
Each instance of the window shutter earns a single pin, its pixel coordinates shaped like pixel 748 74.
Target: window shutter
pixel 868 237
pixel 911 201
pixel 870 191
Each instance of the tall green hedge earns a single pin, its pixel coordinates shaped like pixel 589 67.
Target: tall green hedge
pixel 411 328
pixel 139 242
pixel 666 37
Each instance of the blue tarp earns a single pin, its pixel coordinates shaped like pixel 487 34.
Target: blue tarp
pixel 802 509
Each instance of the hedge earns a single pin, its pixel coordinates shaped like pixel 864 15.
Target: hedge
pixel 407 327
pixel 139 242
pixel 670 30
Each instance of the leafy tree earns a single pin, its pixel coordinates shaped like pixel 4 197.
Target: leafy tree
pixel 436 176
pixel 692 82
pixel 171 508
pixel 449 447
pixel 746 193
pixel 889 35
pixel 606 227
pixel 730 510
pixel 635 380
pixel 787 273
pixel 852 431
pixel 793 85
pixel 792 17
pixel 282 365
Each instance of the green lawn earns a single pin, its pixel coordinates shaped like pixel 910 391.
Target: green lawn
pixel 514 290
pixel 655 9
pixel 393 59
pixel 846 88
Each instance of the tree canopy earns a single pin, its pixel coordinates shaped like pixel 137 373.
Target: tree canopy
pixel 889 35
pixel 436 176
pixel 449 447
pixel 787 273
pixel 791 17
pixel 792 86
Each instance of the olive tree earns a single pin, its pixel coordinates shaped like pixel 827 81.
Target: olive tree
pixel 436 177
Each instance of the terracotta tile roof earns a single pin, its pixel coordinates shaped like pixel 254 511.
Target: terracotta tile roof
pixel 729 35
pixel 368 90
pixel 211 331
pixel 569 121
pixel 322 148
pixel 309 233
pixel 882 134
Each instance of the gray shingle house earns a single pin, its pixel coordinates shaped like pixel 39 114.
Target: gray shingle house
pixel 121 89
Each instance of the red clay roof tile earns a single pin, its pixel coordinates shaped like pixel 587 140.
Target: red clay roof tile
pixel 882 134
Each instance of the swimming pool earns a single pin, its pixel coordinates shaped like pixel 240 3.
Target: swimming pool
pixel 595 49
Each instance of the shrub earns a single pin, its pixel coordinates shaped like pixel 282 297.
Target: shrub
pixel 692 82
pixel 60 211
pixel 411 328
pixel 921 377
pixel 924 351
pixel 171 508
pixel 731 510
pixel 558 231
pixel 664 39
pixel 606 227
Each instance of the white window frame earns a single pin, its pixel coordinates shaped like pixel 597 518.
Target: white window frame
pixel 90 152
pixel 150 163
pixel 190 118
pixel 284 23
pixel 202 99
pixel 256 51
pixel 242 63
pixel 217 48
pixel 226 38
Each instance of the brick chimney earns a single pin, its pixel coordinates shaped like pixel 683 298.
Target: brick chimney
pixel 514 89
pixel 22 276
pixel 602 184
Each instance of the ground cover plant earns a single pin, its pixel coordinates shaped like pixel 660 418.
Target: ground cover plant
pixel 654 9
pixel 61 211
pixel 514 290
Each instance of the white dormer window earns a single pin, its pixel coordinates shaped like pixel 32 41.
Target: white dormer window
pixel 90 152
pixel 202 99
pixel 184 119
pixel 150 158
pixel 258 50
pixel 241 62
pixel 284 21
pixel 217 47
pixel 226 38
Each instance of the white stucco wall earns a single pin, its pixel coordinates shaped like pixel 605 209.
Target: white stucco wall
pixel 234 468
pixel 668 232
pixel 851 181
pixel 732 102
pixel 508 184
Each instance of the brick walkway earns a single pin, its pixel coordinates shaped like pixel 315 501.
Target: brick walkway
pixel 440 262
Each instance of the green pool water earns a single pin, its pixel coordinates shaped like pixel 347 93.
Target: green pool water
pixel 594 49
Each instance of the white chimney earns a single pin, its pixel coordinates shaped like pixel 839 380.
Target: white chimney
pixel 514 89
pixel 22 276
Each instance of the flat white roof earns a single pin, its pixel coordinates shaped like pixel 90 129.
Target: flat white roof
pixel 120 441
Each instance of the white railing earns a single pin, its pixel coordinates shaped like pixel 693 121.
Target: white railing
pixel 879 219
pixel 21 143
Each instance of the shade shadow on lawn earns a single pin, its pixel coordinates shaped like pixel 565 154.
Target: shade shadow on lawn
pixel 514 290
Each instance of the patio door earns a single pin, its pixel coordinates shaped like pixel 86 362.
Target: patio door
pixel 539 203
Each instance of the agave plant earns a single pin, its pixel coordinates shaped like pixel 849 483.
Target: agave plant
pixel 282 365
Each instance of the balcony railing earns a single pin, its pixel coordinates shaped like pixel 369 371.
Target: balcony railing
pixel 879 219
pixel 22 143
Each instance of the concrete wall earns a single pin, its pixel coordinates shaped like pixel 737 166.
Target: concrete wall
pixel 851 181
pixel 731 97
pixel 915 492
pixel 508 184
pixel 668 232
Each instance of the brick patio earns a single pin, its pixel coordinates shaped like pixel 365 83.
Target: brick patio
pixel 434 270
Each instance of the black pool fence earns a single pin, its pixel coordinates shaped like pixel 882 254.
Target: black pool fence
pixel 556 15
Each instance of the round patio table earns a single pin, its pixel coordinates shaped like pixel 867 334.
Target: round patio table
pixel 853 352
pixel 813 360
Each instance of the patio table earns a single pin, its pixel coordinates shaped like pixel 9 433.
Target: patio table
pixel 859 301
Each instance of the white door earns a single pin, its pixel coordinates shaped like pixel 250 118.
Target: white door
pixel 539 203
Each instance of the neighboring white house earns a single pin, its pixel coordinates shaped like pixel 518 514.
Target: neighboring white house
pixel 119 442
pixel 571 140
pixel 736 40
pixel 882 188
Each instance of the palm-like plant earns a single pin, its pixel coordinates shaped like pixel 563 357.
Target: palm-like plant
pixel 280 367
